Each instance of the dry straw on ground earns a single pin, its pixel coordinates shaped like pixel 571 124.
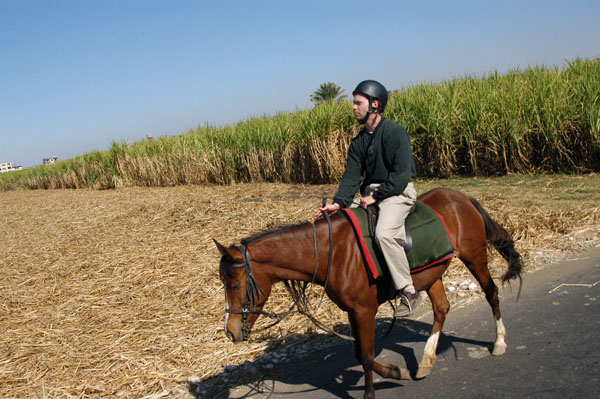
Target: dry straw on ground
pixel 116 293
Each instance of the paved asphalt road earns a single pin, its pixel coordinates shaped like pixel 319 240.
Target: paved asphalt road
pixel 553 337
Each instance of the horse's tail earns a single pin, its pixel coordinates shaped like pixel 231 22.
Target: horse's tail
pixel 500 239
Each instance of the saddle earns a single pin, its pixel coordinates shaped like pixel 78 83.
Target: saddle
pixel 372 215
pixel 428 241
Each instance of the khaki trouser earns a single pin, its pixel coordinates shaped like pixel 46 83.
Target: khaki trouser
pixel 391 234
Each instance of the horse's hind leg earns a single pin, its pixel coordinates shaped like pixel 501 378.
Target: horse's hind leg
pixel 441 306
pixel 481 272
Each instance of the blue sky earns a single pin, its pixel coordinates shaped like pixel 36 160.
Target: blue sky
pixel 77 74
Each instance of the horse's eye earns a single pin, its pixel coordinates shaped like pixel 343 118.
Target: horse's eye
pixel 235 287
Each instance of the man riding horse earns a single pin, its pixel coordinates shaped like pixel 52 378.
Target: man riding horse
pixel 379 155
pixel 381 163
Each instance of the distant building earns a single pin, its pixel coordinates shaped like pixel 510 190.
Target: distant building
pixel 50 161
pixel 149 136
pixel 8 167
pixel 5 167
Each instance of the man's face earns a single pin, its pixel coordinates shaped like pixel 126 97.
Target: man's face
pixel 360 108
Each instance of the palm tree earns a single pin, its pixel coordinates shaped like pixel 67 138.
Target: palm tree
pixel 328 92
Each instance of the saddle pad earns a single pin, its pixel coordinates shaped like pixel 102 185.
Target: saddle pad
pixel 432 243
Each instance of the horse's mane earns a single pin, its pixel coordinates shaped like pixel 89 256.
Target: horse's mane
pixel 279 229
pixel 225 272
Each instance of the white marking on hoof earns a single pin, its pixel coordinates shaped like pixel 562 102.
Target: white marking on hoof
pixel 429 356
pixel 499 349
pixel 423 372
pixel 431 345
pixel 404 374
pixel 500 344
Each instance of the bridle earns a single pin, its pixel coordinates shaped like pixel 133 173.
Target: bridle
pixel 253 290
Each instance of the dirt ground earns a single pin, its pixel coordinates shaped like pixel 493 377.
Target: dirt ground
pixel 116 293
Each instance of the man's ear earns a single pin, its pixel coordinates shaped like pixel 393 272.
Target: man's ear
pixel 375 104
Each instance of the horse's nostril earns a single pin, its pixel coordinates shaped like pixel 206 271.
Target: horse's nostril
pixel 230 336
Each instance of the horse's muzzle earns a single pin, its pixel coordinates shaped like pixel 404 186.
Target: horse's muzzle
pixel 239 337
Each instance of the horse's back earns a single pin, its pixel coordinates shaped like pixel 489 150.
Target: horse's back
pixel 446 200
pixel 443 195
pixel 463 220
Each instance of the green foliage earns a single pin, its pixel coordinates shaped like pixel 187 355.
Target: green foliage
pixel 536 120
pixel 328 92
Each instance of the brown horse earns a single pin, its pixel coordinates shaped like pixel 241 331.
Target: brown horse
pixel 249 271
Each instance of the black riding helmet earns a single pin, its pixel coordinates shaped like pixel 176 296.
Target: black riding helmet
pixel 373 90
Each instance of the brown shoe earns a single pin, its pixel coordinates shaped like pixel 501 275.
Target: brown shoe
pixel 408 303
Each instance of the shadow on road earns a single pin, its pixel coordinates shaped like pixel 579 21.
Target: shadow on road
pixel 332 369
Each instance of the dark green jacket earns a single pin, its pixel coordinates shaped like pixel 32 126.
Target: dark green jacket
pixel 382 157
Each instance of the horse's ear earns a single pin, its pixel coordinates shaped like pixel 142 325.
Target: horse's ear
pixel 223 250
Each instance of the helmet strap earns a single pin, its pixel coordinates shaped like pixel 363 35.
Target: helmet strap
pixel 369 112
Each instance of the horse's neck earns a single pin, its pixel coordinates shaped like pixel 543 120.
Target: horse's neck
pixel 289 255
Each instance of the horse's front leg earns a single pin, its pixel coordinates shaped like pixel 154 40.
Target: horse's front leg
pixel 363 328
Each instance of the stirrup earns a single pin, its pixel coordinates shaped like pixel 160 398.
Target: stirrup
pixel 400 312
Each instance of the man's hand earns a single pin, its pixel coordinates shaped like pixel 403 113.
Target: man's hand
pixel 330 208
pixel 366 201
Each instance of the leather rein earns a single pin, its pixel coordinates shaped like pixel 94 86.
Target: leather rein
pixel 253 290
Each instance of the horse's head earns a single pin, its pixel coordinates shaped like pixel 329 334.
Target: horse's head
pixel 244 295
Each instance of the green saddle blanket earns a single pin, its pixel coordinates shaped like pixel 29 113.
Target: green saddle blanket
pixel 431 241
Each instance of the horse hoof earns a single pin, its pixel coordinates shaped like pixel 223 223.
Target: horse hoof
pixel 397 373
pixel 404 374
pixel 423 372
pixel 499 350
